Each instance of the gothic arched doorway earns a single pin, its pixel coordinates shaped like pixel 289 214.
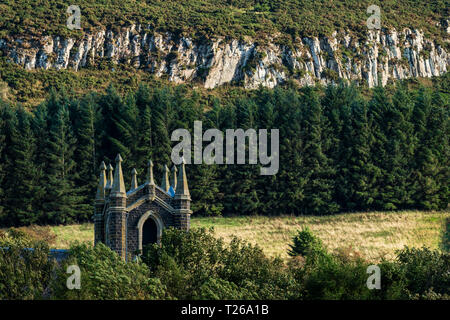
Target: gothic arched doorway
pixel 149 232
pixel 150 226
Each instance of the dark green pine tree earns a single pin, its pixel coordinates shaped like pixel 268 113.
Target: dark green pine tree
pixel 400 144
pixel 2 150
pixel 266 120
pixel 144 146
pixel 61 198
pixel 336 104
pixel 380 108
pixel 440 124
pixel 288 192
pixel 317 167
pixel 204 189
pixel 430 136
pixel 128 125
pixel 84 174
pixel 186 109
pixel 125 124
pixel 21 174
pixel 108 116
pixel 118 131
pixel 391 150
pixel 161 116
pixel 204 179
pixel 8 130
pixel 357 174
pixel 336 101
pixel 226 119
pixel 242 196
pixel 39 126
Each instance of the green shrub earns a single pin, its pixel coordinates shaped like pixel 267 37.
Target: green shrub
pixel 24 273
pixel 330 279
pixel 26 236
pixel 219 289
pixel 248 267
pixel 425 270
pixel 13 236
pixel 416 274
pixel 446 236
pixel 320 275
pixel 104 275
pixel 303 242
pixel 194 264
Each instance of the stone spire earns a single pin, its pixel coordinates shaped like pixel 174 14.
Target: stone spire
pixel 134 183
pixel 118 187
pixel 102 183
pixel 174 177
pixel 165 179
pixel 150 179
pixel 110 180
pixel 182 191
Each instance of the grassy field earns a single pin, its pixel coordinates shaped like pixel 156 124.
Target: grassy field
pixel 373 235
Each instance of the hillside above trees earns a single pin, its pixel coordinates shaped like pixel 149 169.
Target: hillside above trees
pixel 210 43
pixel 234 18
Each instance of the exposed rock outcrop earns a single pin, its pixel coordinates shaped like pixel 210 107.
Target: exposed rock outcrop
pixel 383 55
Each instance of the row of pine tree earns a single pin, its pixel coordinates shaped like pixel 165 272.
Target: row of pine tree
pixel 339 151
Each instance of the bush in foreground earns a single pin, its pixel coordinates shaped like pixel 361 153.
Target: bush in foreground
pixel 414 274
pixel 196 265
pixel 104 275
pixel 24 273
pixel 417 274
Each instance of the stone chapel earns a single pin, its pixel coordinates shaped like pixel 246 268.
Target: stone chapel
pixel 126 221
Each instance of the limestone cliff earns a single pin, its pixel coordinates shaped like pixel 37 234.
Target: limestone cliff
pixel 381 56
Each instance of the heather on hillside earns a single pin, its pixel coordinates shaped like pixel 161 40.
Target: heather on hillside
pixel 208 18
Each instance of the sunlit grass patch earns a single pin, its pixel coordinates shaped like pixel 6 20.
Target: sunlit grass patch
pixel 373 235
pixel 65 235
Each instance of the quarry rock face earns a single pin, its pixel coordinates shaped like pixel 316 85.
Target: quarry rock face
pixel 383 55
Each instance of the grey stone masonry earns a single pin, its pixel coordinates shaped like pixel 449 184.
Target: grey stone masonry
pixel 127 221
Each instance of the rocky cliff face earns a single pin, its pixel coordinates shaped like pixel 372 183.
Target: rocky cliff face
pixel 383 55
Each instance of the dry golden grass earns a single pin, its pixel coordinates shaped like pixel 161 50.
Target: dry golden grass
pixel 373 234
pixel 65 235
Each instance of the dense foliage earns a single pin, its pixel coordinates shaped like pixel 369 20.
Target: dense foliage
pixel 24 273
pixel 104 275
pixel 303 243
pixel 197 265
pixel 338 151
pixel 206 18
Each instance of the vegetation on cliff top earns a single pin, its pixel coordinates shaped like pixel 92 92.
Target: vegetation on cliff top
pixel 235 18
pixel 31 87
